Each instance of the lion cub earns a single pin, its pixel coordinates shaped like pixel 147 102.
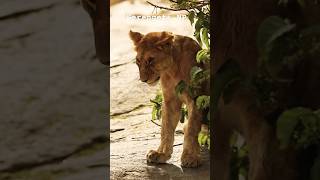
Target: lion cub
pixel 168 57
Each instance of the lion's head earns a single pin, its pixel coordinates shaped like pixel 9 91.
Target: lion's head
pixel 154 54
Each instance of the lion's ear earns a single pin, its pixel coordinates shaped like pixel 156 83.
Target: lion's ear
pixel 135 37
pixel 166 40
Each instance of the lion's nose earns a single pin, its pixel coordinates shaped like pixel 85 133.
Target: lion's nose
pixel 143 77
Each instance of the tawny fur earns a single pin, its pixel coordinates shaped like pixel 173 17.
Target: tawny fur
pixel 170 58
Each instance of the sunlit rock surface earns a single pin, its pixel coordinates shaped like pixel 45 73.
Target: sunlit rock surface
pixel 133 134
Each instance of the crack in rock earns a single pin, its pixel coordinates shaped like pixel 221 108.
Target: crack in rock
pixel 128 111
pixel 98 165
pixel 116 130
pixel 117 65
pixel 31 165
pixel 25 12
pixel 20 36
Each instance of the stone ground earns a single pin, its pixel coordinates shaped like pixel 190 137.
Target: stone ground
pixel 48 65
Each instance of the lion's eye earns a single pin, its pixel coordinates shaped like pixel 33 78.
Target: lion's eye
pixel 150 60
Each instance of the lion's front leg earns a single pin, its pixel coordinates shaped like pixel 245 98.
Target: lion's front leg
pixel 170 118
pixel 191 148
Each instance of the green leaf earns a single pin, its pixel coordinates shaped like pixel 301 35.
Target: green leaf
pixel 153 114
pixel 274 59
pixel 203 56
pixel 203 138
pixel 156 113
pixel 204 37
pixel 201 15
pixel 156 108
pixel 229 71
pixel 194 72
pixel 287 122
pixel 200 136
pixel 191 17
pixel 197 36
pixel 317 113
pixel 270 29
pixel 308 132
pixel 180 87
pixel 203 102
pixel 197 77
pixel 198 25
pixel 184 114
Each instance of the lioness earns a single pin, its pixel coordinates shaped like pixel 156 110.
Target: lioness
pixel 168 57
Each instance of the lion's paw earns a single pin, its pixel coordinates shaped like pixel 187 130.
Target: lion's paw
pixel 190 160
pixel 157 157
